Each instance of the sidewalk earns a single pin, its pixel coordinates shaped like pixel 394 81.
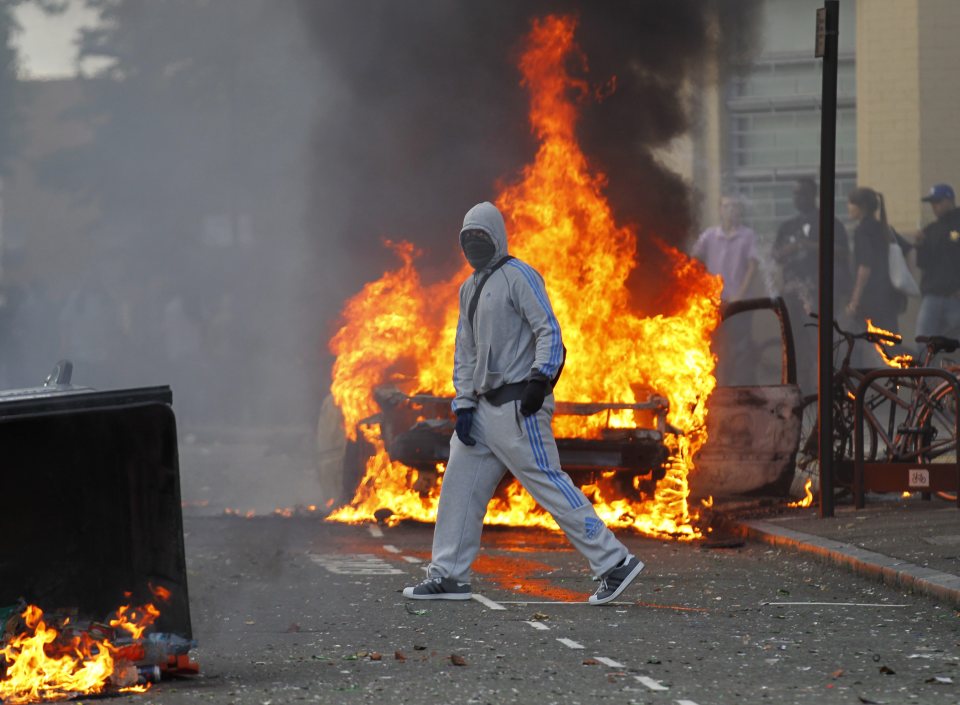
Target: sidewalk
pixel 906 543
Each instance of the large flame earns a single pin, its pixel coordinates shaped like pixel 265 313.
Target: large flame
pixel 45 662
pixel 559 221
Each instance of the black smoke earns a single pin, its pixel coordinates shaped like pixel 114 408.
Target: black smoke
pixel 430 117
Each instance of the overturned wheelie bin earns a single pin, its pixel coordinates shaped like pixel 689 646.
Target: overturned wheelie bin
pixel 90 514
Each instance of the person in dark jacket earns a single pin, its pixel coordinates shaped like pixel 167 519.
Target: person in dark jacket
pixel 873 296
pixel 796 251
pixel 938 256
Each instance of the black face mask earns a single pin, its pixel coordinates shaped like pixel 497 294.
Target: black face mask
pixel 479 252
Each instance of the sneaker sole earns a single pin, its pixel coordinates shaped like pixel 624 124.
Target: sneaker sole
pixel 439 596
pixel 623 586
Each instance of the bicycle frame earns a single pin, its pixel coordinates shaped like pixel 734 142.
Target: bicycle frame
pixel 898 439
pixel 893 468
pixel 919 425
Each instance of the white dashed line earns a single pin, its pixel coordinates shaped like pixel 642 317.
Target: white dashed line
pixel 362 564
pixel 539 625
pixel 375 531
pixel 554 602
pixel 411 559
pixel 609 662
pixel 685 702
pixel 650 683
pixel 486 601
pixel 391 549
pixel 570 643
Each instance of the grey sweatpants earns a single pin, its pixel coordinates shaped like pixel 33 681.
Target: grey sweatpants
pixel 506 440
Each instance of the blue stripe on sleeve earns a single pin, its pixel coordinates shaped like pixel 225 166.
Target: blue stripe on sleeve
pixel 556 349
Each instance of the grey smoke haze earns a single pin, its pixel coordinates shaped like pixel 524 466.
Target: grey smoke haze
pixel 198 212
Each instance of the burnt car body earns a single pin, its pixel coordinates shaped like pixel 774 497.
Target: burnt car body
pixel 753 431
pixel 753 434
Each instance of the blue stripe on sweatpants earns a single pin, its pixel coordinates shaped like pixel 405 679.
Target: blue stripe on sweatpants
pixel 543 463
pixel 560 478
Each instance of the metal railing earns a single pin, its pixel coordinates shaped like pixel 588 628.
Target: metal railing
pixel 892 471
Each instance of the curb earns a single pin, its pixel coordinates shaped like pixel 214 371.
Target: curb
pixel 891 571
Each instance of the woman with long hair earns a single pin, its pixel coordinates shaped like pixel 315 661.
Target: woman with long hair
pixel 873 295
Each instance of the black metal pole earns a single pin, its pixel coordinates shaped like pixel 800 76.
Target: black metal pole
pixel 828 150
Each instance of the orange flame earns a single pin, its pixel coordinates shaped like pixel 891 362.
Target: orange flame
pixel 399 330
pixel 135 620
pixel 899 361
pixel 807 500
pixel 45 663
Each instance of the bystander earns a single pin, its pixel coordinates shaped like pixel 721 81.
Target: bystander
pixel 796 251
pixel 938 256
pixel 730 250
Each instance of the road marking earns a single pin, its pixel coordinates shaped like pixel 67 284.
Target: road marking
pixel 609 662
pixel 391 549
pixel 830 604
pixel 375 531
pixel 650 683
pixel 411 559
pixel 685 702
pixel 570 643
pixel 361 564
pixel 488 602
pixel 539 625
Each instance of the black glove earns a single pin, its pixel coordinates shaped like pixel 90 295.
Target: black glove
pixel 464 423
pixel 533 395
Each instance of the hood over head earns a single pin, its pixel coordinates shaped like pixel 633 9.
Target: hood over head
pixel 487 217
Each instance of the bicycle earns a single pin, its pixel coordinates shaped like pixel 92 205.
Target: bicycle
pixel 920 416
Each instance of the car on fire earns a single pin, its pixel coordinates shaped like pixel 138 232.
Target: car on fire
pixel 753 435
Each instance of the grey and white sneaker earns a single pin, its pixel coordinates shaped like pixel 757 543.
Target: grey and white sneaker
pixel 616 581
pixel 439 589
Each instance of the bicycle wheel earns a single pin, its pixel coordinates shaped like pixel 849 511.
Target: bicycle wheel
pixel 937 419
pixel 808 454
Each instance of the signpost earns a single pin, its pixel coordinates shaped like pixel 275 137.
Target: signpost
pixel 827 27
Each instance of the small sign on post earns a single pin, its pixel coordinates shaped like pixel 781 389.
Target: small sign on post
pixel 821 47
pixel 918 479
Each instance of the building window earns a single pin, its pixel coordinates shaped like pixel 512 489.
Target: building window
pixel 773 118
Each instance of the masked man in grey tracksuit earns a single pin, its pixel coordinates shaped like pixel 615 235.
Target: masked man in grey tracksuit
pixel 505 359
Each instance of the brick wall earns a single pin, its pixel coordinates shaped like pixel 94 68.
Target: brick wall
pixel 938 76
pixel 888 105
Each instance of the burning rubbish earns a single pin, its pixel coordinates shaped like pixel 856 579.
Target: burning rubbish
pixel 46 657
pixel 400 331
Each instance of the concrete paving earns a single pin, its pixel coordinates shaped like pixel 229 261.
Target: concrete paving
pixel 908 543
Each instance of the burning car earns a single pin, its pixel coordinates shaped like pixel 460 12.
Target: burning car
pixel 416 432
pixel 753 435
pixel 632 410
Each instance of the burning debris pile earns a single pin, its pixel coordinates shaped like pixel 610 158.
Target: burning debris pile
pixel 46 657
pixel 399 330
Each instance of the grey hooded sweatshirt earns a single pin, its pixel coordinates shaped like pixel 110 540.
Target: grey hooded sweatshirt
pixel 514 333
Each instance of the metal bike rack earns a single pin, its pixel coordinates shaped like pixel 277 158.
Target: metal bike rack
pixel 896 477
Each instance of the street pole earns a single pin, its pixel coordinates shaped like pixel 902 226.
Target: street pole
pixel 827 27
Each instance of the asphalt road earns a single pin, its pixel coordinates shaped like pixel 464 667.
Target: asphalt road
pixel 299 610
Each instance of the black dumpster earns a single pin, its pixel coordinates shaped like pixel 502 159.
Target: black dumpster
pixel 90 506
